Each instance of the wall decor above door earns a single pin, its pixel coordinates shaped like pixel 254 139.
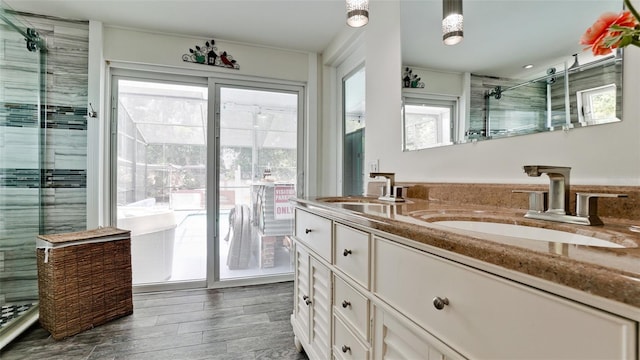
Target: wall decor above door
pixel 210 55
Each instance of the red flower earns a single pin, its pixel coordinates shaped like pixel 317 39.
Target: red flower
pixel 600 35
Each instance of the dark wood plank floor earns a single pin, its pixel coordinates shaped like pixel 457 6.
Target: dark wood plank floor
pixel 250 322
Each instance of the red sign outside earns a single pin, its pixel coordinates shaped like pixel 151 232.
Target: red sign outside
pixel 283 209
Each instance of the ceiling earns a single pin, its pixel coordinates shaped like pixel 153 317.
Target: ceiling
pixel 500 35
pixel 307 25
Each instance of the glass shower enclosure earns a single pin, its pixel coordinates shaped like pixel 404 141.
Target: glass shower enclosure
pixel 22 60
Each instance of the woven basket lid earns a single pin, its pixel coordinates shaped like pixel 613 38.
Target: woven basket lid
pixel 84 235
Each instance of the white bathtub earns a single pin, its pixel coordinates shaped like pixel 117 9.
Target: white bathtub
pixel 152 237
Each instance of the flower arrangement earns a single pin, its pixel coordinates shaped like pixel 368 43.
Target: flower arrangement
pixel 613 31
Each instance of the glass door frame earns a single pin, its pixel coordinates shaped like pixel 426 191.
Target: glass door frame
pixel 350 65
pixel 162 75
pixel 117 74
pixel 213 172
pixel 343 91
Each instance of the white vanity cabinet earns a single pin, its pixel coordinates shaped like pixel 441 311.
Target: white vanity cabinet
pixel 360 295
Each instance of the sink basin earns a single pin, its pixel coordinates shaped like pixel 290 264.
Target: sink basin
pixel 359 200
pixel 350 200
pixel 527 232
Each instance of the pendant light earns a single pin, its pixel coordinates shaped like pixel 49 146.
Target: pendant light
pixel 452 22
pixel 357 13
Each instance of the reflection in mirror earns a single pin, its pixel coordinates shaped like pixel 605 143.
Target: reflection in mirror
pixel 428 122
pixel 597 105
pixel 563 87
pixel 507 107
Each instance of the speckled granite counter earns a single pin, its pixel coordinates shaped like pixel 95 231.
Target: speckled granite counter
pixel 612 273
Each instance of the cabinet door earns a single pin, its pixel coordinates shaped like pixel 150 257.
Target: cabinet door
pixel 396 338
pixel 320 329
pixel 301 302
pixel 487 317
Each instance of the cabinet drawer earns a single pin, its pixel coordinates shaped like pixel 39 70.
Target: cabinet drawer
pixel 315 232
pixel 345 343
pixel 351 253
pixel 490 317
pixel 352 305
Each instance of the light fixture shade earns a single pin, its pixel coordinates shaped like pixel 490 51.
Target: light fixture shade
pixel 452 22
pixel 357 13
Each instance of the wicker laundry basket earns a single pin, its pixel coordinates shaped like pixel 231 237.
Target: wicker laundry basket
pixel 84 279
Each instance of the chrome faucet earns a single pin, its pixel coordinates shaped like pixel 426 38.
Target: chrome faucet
pixel 558 198
pixel 558 186
pixel 391 192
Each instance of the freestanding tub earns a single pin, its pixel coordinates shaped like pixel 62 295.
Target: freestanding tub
pixel 152 237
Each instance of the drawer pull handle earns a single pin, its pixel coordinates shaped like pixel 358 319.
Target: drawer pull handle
pixel 308 302
pixel 346 304
pixel 440 303
pixel 306 231
pixel 345 349
pixel 304 297
pixel 346 252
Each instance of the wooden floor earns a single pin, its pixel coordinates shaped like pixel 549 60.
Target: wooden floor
pixel 250 322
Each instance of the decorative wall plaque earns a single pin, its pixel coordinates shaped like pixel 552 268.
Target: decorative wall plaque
pixel 210 55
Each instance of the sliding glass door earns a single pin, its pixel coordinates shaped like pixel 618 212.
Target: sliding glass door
pixel 258 173
pixel 161 182
pixel 205 204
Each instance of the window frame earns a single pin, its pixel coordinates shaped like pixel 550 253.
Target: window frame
pixel 452 103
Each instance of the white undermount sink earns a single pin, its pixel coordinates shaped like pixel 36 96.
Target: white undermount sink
pixel 527 232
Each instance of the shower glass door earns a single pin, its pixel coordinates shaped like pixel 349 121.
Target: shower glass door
pixel 20 175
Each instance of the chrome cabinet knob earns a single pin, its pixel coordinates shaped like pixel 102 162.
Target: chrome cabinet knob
pixel 346 349
pixel 439 303
pixel 346 304
pixel 306 231
pixel 346 252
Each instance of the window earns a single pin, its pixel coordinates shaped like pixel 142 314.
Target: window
pixel 428 122
pixel 597 105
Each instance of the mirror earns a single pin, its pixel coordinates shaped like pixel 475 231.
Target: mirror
pixel 485 76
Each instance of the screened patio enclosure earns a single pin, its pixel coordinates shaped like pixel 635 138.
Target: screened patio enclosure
pixel 162 180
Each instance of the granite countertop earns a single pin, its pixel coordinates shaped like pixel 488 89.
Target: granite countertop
pixel 612 273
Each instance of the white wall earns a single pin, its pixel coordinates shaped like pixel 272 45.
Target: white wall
pixel 136 46
pixel 604 155
pixel 95 94
pixel 344 45
pixel 438 82
pixel 383 130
